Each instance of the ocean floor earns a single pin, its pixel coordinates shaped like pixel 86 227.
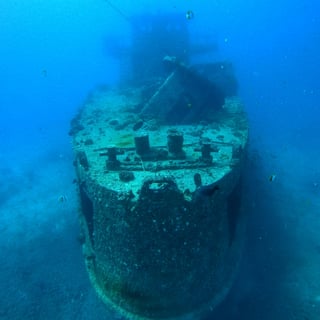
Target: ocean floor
pixel 42 273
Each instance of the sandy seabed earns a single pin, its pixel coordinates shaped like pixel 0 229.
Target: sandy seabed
pixel 42 273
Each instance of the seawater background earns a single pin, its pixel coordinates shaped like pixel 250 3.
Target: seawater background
pixel 54 52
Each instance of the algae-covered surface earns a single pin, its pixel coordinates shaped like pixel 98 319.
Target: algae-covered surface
pixel 153 231
pixel 109 119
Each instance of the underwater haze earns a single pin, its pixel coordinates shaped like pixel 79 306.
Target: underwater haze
pixel 54 53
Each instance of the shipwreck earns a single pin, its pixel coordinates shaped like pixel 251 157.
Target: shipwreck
pixel 159 161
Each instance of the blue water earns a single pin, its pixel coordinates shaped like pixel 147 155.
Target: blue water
pixel 54 52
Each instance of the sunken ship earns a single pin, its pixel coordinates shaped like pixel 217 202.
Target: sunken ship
pixel 159 163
